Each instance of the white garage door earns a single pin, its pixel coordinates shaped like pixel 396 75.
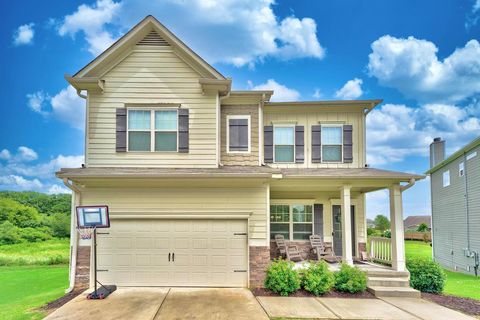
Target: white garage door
pixel 173 253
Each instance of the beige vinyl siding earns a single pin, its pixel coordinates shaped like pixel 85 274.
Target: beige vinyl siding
pixel 240 159
pixel 151 75
pixel 186 200
pixel 449 213
pixel 305 116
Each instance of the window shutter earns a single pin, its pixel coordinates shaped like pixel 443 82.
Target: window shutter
pixel 121 130
pixel 347 144
pixel 316 143
pixel 268 144
pixel 299 144
pixel 238 134
pixel 318 218
pixel 183 130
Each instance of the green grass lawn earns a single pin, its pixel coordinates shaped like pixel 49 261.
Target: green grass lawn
pixel 458 284
pixel 24 288
pixel 35 253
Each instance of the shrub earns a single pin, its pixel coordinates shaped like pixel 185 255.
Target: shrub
pixel 374 232
pixel 35 234
pixel 9 234
pixel 426 275
pixel 350 279
pixel 318 279
pixel 387 233
pixel 59 223
pixel 281 278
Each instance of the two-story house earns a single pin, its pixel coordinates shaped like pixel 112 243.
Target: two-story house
pixel 190 167
pixel 455 190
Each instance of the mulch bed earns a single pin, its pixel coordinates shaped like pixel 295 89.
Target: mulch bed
pixel 262 292
pixel 465 305
pixel 54 305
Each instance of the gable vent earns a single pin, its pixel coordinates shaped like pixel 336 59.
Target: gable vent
pixel 152 39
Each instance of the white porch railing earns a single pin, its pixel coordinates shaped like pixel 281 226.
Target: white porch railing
pixel 380 249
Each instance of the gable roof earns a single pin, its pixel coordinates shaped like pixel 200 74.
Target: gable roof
pixel 138 33
pixel 475 143
pixel 415 221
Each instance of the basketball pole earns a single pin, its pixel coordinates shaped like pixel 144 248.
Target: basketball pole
pixel 95 257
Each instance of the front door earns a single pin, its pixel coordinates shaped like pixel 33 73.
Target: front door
pixel 337 229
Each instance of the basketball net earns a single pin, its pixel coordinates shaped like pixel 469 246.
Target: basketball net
pixel 85 232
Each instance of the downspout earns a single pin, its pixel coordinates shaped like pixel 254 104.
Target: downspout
pixel 410 184
pixel 472 254
pixel 76 198
pixel 219 126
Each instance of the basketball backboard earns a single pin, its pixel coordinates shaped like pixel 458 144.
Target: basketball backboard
pixel 93 216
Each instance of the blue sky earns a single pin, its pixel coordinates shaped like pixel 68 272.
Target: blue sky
pixel 421 57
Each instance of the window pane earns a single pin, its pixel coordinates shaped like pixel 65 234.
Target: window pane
pixel 302 231
pixel 284 135
pixel 331 135
pixel 165 141
pixel 138 141
pixel 279 228
pixel 166 120
pixel 298 209
pixel 332 153
pixel 283 153
pixel 138 119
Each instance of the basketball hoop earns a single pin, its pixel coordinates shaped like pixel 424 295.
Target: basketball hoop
pixel 85 232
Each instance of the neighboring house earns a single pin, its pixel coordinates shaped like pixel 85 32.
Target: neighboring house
pixel 412 222
pixel 189 166
pixel 455 188
pixel 370 223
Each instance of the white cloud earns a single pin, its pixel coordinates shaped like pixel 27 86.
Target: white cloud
pixel 412 66
pixel 47 170
pixel 351 90
pixel 281 92
pixel 396 132
pixel 24 35
pixel 26 154
pixel 473 16
pixel 56 189
pixel 92 20
pixel 317 94
pixel 18 183
pixel 65 106
pixel 249 31
pixel 5 154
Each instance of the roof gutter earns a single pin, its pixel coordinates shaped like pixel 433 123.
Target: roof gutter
pixel 410 184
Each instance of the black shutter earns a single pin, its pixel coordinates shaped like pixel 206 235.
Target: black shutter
pixel 238 134
pixel 299 144
pixel 183 130
pixel 121 130
pixel 316 143
pixel 268 144
pixel 318 219
pixel 347 144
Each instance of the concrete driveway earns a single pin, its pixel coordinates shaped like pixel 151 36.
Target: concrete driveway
pixel 165 303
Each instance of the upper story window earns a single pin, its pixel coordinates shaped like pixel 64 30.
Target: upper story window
pixel 332 143
pixel 284 143
pixel 152 130
pixel 446 178
pixel 238 134
pixel 461 169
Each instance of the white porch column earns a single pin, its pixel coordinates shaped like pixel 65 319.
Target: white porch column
pixel 396 225
pixel 346 225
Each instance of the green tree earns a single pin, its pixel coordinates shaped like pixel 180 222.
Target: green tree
pixel 422 227
pixel 381 223
pixel 18 214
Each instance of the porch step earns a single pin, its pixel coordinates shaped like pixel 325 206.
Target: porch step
pixel 404 292
pixel 388 282
pixel 387 274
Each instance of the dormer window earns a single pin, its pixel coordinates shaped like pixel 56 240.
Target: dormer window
pixel 152 130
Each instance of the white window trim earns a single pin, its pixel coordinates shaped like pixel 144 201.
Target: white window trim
pixel 290 222
pixel 471 155
pixel 248 117
pixel 461 169
pixel 334 125
pixel 152 129
pixel 274 145
pixel 445 183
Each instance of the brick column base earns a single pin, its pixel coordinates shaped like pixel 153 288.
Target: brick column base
pixel 259 259
pixel 82 271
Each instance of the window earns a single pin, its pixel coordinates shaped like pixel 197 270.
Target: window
pixel 238 134
pixel 461 169
pixel 446 178
pixel 302 222
pixel 152 130
pixel 284 144
pixel 471 155
pixel 280 221
pixel 332 143
pixel 294 222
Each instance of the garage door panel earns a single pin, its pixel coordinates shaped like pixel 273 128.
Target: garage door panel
pixel 207 253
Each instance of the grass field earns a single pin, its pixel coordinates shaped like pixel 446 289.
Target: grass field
pixel 35 253
pixel 458 284
pixel 26 287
